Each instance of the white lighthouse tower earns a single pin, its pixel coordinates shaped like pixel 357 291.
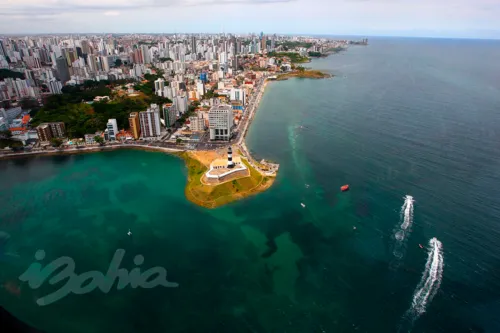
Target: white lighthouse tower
pixel 230 163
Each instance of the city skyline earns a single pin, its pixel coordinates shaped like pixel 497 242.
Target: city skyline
pixel 448 19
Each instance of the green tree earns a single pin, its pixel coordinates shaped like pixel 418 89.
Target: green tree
pixel 118 62
pixel 99 140
pixel 56 142
pixel 178 141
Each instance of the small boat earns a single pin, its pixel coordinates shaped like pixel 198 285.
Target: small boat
pixel 421 246
pixel 344 188
pixel 303 206
pixel 129 232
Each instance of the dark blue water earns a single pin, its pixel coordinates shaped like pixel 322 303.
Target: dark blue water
pixel 415 117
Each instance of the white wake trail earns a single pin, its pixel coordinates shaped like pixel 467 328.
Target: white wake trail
pixel 402 230
pixel 428 285
pixel 407 212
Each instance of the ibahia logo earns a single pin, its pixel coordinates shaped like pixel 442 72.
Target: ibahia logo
pixel 86 282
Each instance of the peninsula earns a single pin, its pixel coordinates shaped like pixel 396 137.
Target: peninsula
pixel 191 96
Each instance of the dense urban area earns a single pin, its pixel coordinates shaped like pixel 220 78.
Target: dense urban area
pixel 188 92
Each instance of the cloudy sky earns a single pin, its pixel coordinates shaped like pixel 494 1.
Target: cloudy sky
pixel 433 18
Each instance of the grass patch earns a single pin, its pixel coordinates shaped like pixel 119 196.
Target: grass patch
pixel 212 196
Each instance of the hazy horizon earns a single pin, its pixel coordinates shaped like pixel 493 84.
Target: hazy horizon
pixel 398 18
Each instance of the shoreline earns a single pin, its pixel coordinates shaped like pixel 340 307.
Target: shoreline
pixel 90 150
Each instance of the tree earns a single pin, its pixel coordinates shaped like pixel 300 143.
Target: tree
pixel 178 141
pixel 118 62
pixel 29 103
pixel 56 142
pixel 99 140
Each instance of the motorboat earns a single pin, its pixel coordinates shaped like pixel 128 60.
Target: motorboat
pixel 344 188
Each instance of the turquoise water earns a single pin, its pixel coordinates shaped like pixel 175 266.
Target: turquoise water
pixel 402 117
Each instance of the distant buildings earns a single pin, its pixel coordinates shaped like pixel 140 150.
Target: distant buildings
pixel 150 122
pixel 111 130
pixel 62 69
pixel 221 122
pixel 135 125
pixel 48 131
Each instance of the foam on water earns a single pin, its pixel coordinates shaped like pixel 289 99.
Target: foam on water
pixel 402 231
pixel 428 286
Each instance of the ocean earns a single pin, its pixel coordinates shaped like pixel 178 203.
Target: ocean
pixel 412 125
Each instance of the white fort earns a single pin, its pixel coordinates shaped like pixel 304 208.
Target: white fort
pixel 222 167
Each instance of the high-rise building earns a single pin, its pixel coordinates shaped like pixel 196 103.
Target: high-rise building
pixel 159 85
pixel 3 51
pixel 55 86
pixel 169 115
pixel 220 119
pixel 47 131
pixel 112 129
pixel 237 95
pixel 150 122
pixel 62 69
pixel 197 123
pixel 193 44
pixel 135 125
pixel 145 54
pixel 263 44
pixel 43 131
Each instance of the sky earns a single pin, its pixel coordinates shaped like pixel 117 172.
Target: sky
pixel 414 18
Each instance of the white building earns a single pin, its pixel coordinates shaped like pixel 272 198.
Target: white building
pixel 55 86
pixel 181 103
pixel 197 123
pixel 112 128
pixel 200 87
pixel 150 122
pixel 238 95
pixel 221 122
pixel 159 86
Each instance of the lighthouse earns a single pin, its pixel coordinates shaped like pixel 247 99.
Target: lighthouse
pixel 230 163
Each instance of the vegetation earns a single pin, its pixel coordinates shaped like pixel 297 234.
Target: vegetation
pixel 29 103
pixel 289 45
pixel 7 73
pixel 212 196
pixel 294 57
pixel 56 142
pixel 14 144
pixel 304 74
pixel 118 62
pixel 166 59
pixel 81 118
pixel 336 49
pixel 315 54
pixel 98 139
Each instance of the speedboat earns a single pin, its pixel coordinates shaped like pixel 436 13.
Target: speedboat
pixel 344 188
pixel 303 206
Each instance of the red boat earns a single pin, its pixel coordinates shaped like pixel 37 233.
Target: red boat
pixel 344 188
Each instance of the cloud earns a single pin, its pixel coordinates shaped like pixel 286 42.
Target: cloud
pixel 111 13
pixel 29 8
